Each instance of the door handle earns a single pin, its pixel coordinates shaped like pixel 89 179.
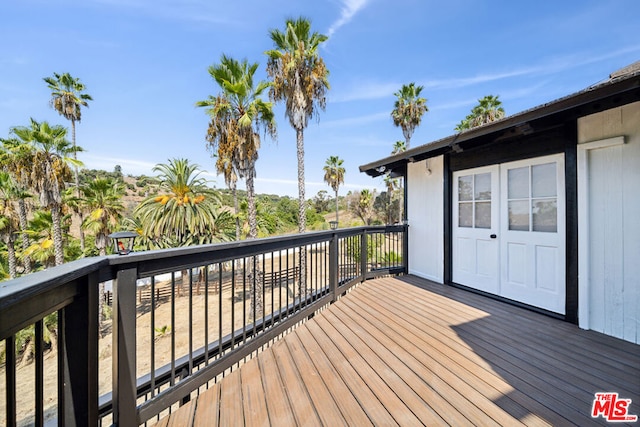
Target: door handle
pixel 493 236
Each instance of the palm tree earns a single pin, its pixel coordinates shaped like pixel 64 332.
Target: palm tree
pixel 409 109
pixel 489 109
pixel 392 185
pixel 17 158
pixel 185 209
pixel 334 176
pixel 9 221
pixel 68 98
pixel 237 116
pixel 300 78
pixel 399 147
pixel 40 230
pixel 50 170
pixel 103 197
pixel 364 206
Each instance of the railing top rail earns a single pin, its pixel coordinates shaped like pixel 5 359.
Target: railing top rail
pixel 25 299
pixel 42 281
pixel 160 261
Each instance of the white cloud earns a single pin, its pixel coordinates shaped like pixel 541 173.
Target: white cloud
pixel 349 9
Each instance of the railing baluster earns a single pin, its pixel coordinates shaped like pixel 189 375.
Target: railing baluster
pixel 233 305
pixel 10 379
pixel 220 306
pixel 190 321
pixel 61 366
pixel 173 328
pixel 39 371
pixel 153 336
pixel 206 315
pixel 244 299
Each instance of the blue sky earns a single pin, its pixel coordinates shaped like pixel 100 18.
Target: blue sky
pixel 145 64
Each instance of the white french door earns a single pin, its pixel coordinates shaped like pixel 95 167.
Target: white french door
pixel 509 231
pixel 475 228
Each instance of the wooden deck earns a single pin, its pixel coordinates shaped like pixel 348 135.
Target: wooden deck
pixel 404 351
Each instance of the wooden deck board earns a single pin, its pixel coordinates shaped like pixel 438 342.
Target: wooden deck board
pixel 208 408
pixel 278 405
pixel 302 404
pixel 254 403
pixel 349 406
pixel 405 351
pixel 316 388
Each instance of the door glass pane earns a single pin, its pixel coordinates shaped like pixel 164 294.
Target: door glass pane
pixel 465 188
pixel 518 183
pixel 545 215
pixel 483 214
pixel 519 215
pixel 543 180
pixel 465 214
pixel 482 188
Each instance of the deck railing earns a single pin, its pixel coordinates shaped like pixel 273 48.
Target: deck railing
pixel 180 319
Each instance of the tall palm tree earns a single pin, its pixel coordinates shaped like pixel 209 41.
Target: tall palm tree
pixel 409 109
pixel 184 210
pixel 238 114
pixel 334 176
pixel 103 197
pixel 68 98
pixel 16 157
pixel 9 221
pixel 489 109
pixel 300 78
pixel 50 170
pixel 217 109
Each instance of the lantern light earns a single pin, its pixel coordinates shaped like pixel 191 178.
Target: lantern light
pixel 123 241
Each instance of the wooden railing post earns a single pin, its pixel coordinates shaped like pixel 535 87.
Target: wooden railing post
pixel 333 267
pixel 363 256
pixel 124 349
pixel 78 356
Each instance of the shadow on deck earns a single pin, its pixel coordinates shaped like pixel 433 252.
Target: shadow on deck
pixel 405 351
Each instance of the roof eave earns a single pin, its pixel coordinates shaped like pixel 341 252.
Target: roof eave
pixel 609 88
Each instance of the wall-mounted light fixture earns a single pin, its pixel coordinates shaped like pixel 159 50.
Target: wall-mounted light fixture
pixel 381 169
